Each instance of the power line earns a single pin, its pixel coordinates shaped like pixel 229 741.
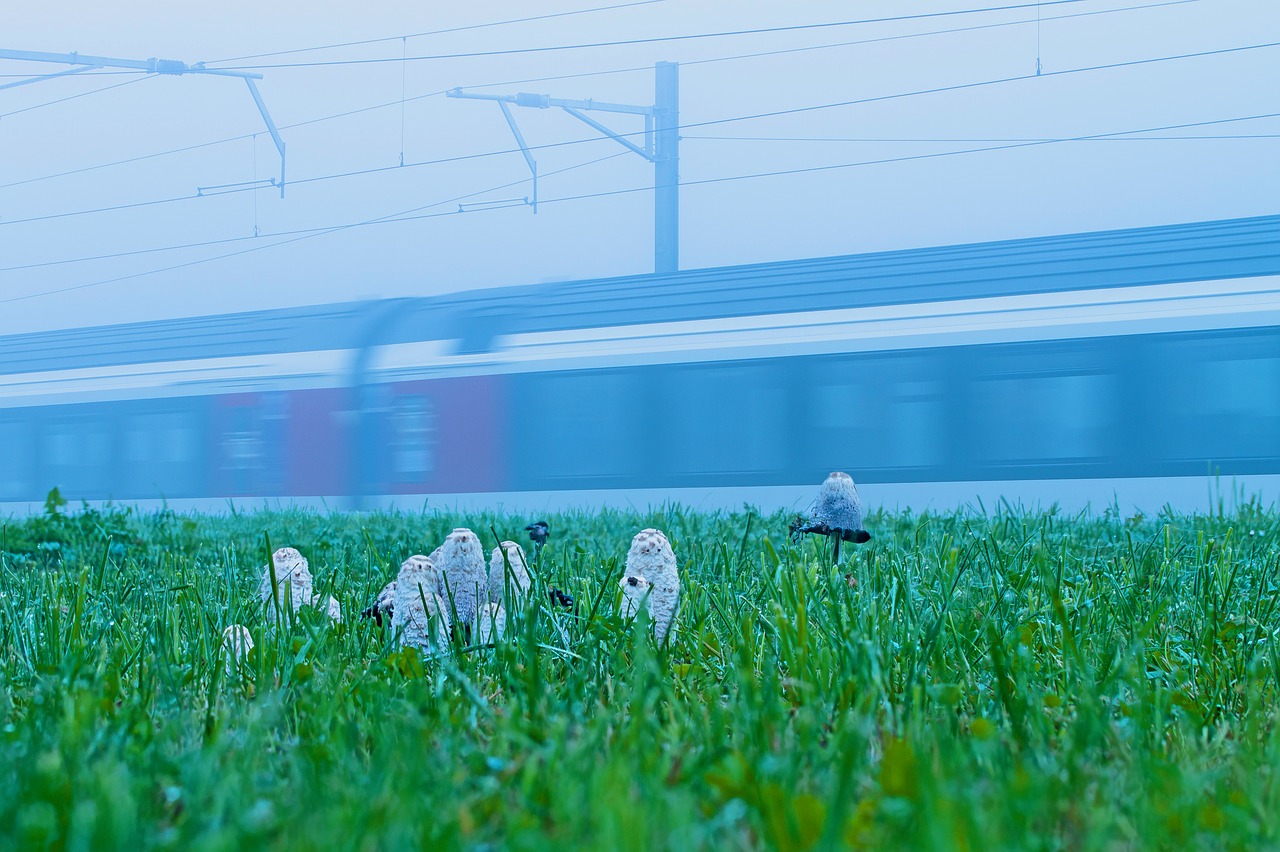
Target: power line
pixel 311 234
pixel 948 31
pixel 96 91
pixel 886 139
pixel 656 39
pixel 645 68
pixel 436 32
pixel 709 123
pixel 891 160
pixel 407 216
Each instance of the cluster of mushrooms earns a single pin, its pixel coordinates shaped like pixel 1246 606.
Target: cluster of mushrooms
pixel 453 591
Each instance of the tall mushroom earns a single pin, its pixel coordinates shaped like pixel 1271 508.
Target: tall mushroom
pixel 418 613
pixel 286 583
pixel 508 569
pixel 236 645
pixel 466 579
pixel 837 513
pixel 651 562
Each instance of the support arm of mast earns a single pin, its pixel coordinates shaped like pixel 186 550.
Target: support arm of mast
pixel 83 62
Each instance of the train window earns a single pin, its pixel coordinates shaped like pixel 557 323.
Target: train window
pixel 1031 418
pixel 166 438
pixel 15 458
pixel 77 456
pixel 1227 408
pixel 733 419
pixel 413 437
pixel 582 425
pixel 160 451
pixel 876 411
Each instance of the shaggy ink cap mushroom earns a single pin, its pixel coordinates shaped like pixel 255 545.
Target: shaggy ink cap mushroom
pixel 237 642
pixel 466 577
pixel 418 614
pixel 384 604
pixel 508 568
pixel 838 505
pixel 287 579
pixel 491 624
pixel 652 560
pixel 837 512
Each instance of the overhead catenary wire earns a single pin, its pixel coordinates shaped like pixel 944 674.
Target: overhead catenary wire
pixel 96 91
pixel 407 216
pixel 312 233
pixel 445 31
pixel 685 126
pixel 654 39
pixel 579 75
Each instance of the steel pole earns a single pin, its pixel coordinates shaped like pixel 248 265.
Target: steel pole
pixel 666 186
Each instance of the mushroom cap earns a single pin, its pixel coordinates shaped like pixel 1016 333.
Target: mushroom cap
pixel 330 605
pixel 416 605
pixel 491 623
pixel 292 574
pixel 500 575
pixel 461 561
pixel 838 505
pixel 651 556
pixel 236 640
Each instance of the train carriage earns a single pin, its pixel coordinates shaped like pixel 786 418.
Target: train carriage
pixel 1131 366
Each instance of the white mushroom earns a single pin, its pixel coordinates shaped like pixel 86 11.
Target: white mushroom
pixel 516 576
pixel 419 614
pixel 836 512
pixel 236 645
pixel 330 606
pixel 651 560
pixel 466 580
pixel 286 582
pixel 491 624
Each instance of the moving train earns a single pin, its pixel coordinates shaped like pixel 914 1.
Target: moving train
pixel 1131 368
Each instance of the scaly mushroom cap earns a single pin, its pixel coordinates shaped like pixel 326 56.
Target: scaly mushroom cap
pixel 651 559
pixel 330 606
pixel 500 575
pixel 236 645
pixel 491 624
pixel 838 505
pixel 466 578
pixel 292 586
pixel 418 612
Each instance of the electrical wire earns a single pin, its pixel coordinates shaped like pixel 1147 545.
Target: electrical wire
pixel 436 32
pixel 691 125
pixel 406 216
pixel 653 40
pixel 96 91
pixel 633 69
pixel 312 233
pixel 887 139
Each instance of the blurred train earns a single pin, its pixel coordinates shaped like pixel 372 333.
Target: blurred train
pixel 1135 368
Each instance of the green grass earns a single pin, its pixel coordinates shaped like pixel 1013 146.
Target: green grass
pixel 1013 680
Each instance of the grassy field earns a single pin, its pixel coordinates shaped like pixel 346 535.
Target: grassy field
pixel 1008 680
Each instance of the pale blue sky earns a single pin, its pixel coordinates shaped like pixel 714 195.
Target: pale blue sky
pixel 1028 191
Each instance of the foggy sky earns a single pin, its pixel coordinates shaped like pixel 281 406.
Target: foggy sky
pixel 1029 191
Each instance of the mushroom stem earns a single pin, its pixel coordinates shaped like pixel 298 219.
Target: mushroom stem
pixel 837 537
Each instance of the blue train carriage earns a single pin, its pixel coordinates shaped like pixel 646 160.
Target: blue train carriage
pixel 1065 368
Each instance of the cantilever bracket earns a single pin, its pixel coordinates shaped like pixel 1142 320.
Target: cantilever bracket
pixel 171 67
pixel 502 101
